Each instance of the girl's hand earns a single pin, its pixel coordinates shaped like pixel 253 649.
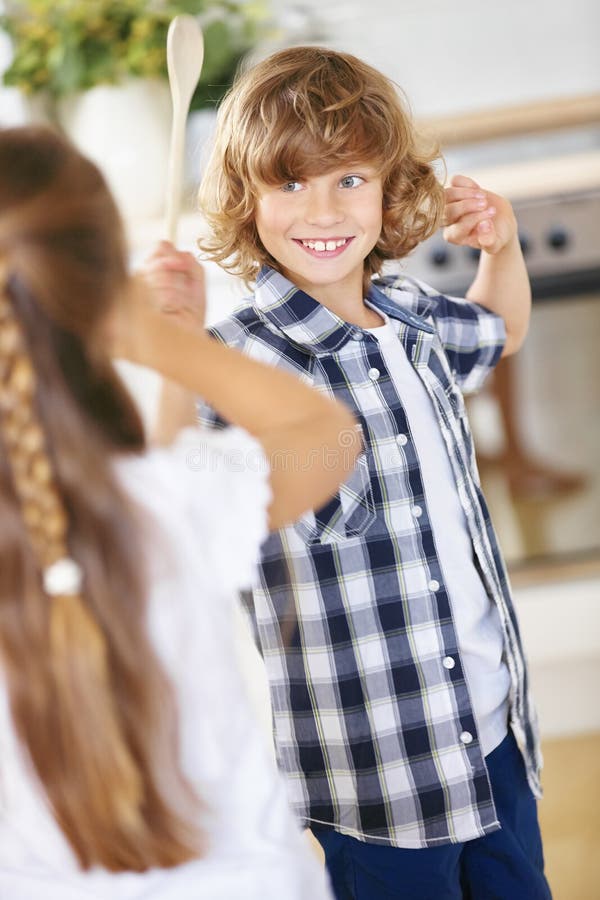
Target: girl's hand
pixel 177 285
pixel 477 218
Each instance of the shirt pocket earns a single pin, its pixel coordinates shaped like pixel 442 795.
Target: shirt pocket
pixel 349 513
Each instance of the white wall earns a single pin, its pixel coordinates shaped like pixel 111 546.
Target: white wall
pixel 448 56
pixel 467 54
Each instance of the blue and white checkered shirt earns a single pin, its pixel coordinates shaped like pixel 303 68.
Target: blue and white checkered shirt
pixel 369 725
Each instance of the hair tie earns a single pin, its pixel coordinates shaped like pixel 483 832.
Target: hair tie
pixel 63 578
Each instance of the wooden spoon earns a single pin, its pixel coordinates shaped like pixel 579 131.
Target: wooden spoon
pixel 185 54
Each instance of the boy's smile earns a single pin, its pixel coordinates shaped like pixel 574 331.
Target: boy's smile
pixel 325 248
pixel 321 228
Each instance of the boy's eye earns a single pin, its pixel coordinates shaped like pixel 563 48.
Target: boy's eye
pixel 291 186
pixel 350 181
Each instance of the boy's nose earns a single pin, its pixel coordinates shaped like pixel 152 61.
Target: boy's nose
pixel 322 209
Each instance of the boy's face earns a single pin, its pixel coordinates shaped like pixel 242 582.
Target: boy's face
pixel 321 228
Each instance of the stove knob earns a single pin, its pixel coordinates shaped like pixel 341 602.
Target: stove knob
pixel 439 256
pixel 558 238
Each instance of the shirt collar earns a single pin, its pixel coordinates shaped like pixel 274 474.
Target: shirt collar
pixel 307 323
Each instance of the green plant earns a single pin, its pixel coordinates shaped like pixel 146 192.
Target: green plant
pixel 63 46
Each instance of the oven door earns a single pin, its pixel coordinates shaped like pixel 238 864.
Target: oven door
pixel 537 432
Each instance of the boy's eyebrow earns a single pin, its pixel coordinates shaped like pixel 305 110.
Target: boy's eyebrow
pixel 343 169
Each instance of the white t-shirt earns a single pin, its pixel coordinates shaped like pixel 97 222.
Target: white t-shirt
pixel 476 619
pixel 204 501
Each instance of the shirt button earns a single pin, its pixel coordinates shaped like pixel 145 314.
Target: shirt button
pixel 466 737
pixel 357 336
pixel 401 440
pixel 417 511
pixel 433 585
pixel 374 374
pixel 449 663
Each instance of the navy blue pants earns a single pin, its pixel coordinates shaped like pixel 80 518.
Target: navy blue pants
pixel 505 865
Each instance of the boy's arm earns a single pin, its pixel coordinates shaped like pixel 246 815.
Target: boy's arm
pixel 486 221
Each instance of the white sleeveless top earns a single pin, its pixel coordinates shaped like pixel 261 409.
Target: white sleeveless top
pixel 205 501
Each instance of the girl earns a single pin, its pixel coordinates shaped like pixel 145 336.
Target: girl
pixel 130 764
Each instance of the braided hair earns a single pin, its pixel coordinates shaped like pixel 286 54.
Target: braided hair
pixel 90 703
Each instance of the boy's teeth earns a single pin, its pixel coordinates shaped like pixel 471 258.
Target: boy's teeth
pixel 320 246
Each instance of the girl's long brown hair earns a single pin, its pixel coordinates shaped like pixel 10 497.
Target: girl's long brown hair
pixel 89 700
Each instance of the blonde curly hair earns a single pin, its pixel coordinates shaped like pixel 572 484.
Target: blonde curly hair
pixel 306 111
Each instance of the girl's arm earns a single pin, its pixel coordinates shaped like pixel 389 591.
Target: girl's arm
pixel 176 410
pixel 178 290
pixel 311 442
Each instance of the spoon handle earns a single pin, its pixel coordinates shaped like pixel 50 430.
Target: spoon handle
pixel 185 53
pixel 174 174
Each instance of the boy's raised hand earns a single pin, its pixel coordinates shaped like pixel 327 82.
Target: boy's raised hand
pixel 177 285
pixel 477 218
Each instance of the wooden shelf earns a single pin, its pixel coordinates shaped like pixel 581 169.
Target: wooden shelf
pixel 528 118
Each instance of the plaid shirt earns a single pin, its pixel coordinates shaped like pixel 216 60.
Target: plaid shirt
pixel 368 721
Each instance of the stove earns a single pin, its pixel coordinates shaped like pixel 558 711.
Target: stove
pixel 559 236
pixel 553 181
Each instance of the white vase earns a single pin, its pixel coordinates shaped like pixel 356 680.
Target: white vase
pixel 125 129
pixel 38 109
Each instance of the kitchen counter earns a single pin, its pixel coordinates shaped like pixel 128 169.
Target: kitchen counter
pixel 568 174
pixel 527 151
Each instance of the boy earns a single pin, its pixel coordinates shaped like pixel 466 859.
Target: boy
pixel 400 697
